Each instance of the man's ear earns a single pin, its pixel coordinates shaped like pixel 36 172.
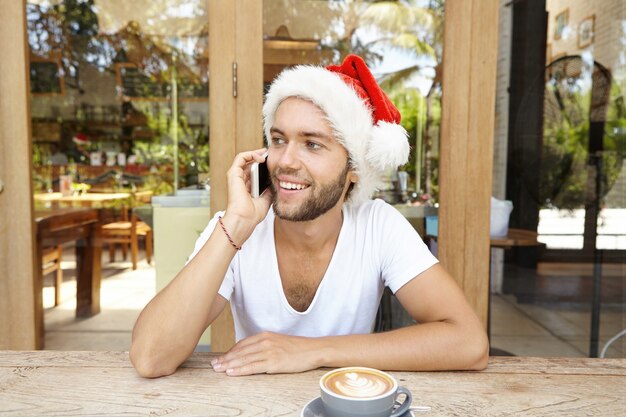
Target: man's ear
pixel 353 176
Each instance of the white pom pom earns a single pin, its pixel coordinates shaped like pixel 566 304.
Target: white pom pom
pixel 388 146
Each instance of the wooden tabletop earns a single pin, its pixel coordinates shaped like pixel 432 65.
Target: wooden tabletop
pixel 515 237
pixel 47 215
pixel 83 200
pixel 104 383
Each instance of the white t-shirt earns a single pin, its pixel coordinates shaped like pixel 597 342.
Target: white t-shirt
pixel 377 247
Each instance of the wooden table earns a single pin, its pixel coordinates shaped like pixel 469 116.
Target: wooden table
pixel 515 237
pixel 104 383
pixel 55 227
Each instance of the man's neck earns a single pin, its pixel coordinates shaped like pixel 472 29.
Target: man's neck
pixel 310 236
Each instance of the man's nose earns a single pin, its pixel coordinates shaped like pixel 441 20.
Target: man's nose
pixel 289 157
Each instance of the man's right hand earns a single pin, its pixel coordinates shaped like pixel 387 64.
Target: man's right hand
pixel 244 213
pixel 169 327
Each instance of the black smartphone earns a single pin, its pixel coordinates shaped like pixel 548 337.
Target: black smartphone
pixel 260 178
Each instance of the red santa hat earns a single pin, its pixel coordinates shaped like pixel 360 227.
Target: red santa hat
pixel 365 121
pixel 80 139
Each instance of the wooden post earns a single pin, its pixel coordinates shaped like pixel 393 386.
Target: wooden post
pixel 235 45
pixel 467 135
pixel 17 248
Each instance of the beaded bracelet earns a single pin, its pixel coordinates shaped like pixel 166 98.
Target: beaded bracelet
pixel 230 239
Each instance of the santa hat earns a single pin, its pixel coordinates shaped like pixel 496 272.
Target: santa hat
pixel 80 139
pixel 365 121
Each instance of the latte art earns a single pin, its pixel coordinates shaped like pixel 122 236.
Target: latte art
pixel 356 391
pixel 358 384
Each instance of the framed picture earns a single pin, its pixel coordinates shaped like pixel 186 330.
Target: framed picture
pixel 586 30
pixel 135 84
pixel 46 76
pixel 560 23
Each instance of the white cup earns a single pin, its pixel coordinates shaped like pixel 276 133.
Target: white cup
pixel 365 392
pixel 65 185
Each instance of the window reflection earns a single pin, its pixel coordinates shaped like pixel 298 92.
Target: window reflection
pixel 569 170
pixel 583 111
pixel 119 90
pixel 400 41
pixel 560 107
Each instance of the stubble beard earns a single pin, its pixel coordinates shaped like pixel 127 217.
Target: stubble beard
pixel 320 200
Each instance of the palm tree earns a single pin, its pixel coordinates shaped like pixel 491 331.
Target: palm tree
pixel 417 32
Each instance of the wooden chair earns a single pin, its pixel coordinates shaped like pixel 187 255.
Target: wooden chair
pixel 127 232
pixel 51 261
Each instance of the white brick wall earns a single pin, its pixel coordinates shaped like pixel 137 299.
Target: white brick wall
pixel 607 47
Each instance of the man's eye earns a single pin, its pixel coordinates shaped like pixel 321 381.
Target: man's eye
pixel 313 146
pixel 277 141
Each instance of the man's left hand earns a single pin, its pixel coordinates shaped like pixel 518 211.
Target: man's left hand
pixel 269 353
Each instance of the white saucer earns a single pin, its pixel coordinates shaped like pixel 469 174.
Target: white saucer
pixel 315 408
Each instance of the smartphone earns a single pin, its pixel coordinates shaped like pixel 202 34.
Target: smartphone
pixel 260 178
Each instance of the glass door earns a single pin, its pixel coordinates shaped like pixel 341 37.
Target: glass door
pixel 564 119
pixel 120 123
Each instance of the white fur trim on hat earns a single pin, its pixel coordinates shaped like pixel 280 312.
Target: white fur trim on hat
pixel 389 146
pixel 372 148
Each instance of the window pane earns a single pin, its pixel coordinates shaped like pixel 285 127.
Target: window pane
pixel 400 41
pixel 559 158
pixel 119 93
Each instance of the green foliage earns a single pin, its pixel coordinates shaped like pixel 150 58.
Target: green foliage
pixel 409 102
pixel 404 26
pixel 565 159
pixel 421 120
pixel 79 17
pixel 160 180
pixel 193 146
pixel 563 166
pixel 416 31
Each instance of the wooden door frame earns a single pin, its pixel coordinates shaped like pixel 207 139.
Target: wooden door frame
pixel 234 121
pixel 17 243
pixel 467 136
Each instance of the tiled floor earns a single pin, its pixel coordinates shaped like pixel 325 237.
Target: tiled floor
pixel 546 329
pixel 550 330
pixel 124 293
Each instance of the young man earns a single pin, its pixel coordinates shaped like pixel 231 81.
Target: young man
pixel 305 264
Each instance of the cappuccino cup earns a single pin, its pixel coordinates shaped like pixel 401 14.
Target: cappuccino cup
pixel 365 392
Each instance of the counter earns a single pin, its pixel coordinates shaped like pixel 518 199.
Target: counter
pixel 178 221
